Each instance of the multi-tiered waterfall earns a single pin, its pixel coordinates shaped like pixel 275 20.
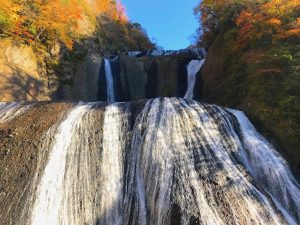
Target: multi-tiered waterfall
pixel 150 162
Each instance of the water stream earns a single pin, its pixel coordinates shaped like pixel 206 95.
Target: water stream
pixel 110 86
pixel 193 68
pixel 174 162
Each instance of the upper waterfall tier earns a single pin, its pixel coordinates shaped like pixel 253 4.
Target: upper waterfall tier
pixel 144 75
pixel 199 53
pixel 159 161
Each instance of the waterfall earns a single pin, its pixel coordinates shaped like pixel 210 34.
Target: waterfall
pixel 139 75
pixel 190 52
pixel 268 168
pixel 8 111
pixel 81 182
pixel 55 202
pixel 182 158
pixel 193 68
pixel 161 161
pixel 110 84
pixel 115 126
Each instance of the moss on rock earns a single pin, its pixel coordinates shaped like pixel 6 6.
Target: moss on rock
pixel 262 80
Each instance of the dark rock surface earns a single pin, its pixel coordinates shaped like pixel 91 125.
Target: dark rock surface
pixel 147 77
pixel 24 152
pixel 197 53
pixel 19 142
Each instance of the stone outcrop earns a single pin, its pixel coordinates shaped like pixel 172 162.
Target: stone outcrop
pixel 20 78
pixel 149 76
pixel 83 80
pixel 21 137
pixel 58 75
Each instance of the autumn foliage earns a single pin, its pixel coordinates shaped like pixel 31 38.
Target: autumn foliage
pixel 254 19
pixel 47 21
pixel 253 63
pixel 265 33
pixel 277 18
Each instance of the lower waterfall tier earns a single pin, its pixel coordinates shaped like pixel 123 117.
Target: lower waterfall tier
pixel 160 161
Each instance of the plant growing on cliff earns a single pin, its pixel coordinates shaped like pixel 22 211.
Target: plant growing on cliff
pixel 275 19
pixel 115 36
pixel 253 26
pixel 255 63
pixel 46 22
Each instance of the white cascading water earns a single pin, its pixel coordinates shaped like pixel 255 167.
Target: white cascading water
pixel 193 68
pixel 179 162
pixel 112 166
pixel 161 161
pixel 110 87
pixel 181 158
pixel 268 168
pixel 51 204
pixel 82 180
pixel 8 111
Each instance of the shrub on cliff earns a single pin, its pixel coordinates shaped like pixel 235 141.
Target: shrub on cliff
pixel 121 36
pixel 44 23
pixel 255 58
pixel 273 19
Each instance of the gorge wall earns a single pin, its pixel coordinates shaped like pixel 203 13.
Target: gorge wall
pixel 57 75
pixel 80 74
pixel 20 78
pixel 270 98
pixel 153 74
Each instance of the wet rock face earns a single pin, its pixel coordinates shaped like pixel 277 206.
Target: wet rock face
pixel 131 78
pixel 56 75
pixel 82 81
pixel 197 53
pixel 159 161
pixel 20 138
pixel 144 77
pixel 167 76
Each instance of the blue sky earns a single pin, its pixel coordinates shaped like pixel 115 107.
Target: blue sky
pixel 171 22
